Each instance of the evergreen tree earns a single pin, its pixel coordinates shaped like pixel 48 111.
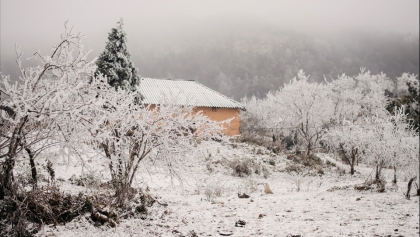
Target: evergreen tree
pixel 115 63
pixel 409 99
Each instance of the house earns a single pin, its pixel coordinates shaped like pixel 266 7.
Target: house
pixel 192 93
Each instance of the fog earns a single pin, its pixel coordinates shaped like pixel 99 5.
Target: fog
pixel 163 31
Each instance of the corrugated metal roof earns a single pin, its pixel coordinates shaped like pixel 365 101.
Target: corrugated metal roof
pixel 183 92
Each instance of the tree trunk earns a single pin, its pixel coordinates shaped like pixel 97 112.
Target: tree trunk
pixel 407 195
pixel 395 176
pixel 9 163
pixel 6 176
pixel 33 168
pixel 355 157
pixel 120 166
pixel 295 138
pixel 308 149
pixel 110 164
pixel 353 160
pixel 378 174
pixel 378 171
pixel 1 192
pixel 2 189
pixel 122 193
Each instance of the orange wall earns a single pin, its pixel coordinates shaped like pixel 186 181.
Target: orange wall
pixel 220 114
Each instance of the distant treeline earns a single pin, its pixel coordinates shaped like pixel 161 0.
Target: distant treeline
pixel 244 63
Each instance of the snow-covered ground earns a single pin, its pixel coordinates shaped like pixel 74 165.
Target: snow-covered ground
pixel 205 202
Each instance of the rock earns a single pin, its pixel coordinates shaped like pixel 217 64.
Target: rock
pixel 192 233
pixel 267 189
pixel 358 199
pixel 243 195
pixel 175 232
pixel 225 233
pixel 261 216
pixel 240 223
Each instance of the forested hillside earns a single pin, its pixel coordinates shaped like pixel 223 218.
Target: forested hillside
pixel 241 62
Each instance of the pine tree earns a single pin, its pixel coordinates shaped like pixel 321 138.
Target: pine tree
pixel 115 63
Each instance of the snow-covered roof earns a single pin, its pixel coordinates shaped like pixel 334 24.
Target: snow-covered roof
pixel 183 92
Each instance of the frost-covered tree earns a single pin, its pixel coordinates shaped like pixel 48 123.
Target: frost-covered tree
pixel 126 135
pixel 45 106
pixel 349 141
pixel 348 115
pixel 300 109
pixel 404 139
pixel 115 63
pixel 359 97
pixel 257 118
pixel 354 100
pixel 392 142
pixel 306 108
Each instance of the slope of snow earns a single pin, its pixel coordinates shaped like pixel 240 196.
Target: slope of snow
pixel 325 206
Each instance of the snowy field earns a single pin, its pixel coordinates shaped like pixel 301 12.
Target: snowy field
pixel 205 202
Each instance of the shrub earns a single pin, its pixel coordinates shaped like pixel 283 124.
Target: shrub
pixel 297 168
pixel 213 189
pixel 288 142
pixel 40 206
pixel 275 149
pixel 247 166
pixel 311 164
pixel 329 163
pixel 86 180
pixel 247 186
pixel 340 171
pixel 319 170
pixel 141 209
pixel 253 139
pixel 241 168
pixel 291 157
pixel 312 160
pixel 298 181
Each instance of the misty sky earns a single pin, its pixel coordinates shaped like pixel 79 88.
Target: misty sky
pixel 37 24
